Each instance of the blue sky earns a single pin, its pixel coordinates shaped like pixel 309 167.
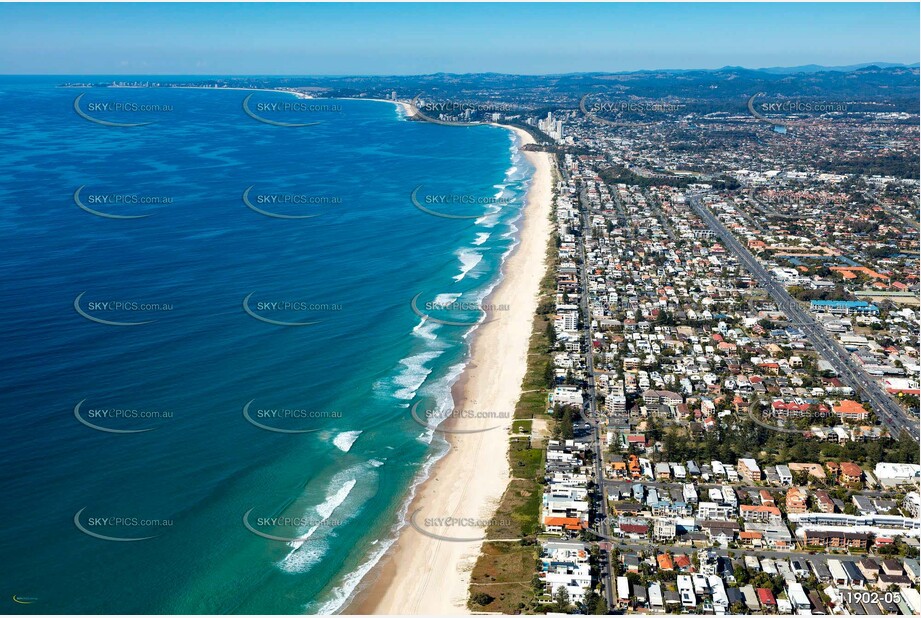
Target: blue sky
pixel 338 39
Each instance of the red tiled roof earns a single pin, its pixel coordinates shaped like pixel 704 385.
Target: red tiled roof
pixel 850 469
pixel 759 509
pixel 766 596
pixel 665 562
pixel 570 523
pixel 849 406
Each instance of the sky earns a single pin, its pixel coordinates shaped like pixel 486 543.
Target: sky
pixel 390 39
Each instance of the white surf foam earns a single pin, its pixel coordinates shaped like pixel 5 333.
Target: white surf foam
pixel 325 509
pixel 302 558
pixel 441 391
pixel 409 378
pixel 481 238
pixel 341 593
pixel 345 440
pixel 468 259
pixel 426 329
pixel 447 298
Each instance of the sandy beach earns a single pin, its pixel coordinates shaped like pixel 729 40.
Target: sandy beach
pixel 424 575
pixel 405 106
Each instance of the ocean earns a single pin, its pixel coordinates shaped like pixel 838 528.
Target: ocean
pixel 215 326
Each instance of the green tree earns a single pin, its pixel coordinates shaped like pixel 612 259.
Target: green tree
pixel 549 375
pixel 482 599
pixel 600 607
pixel 550 332
pixel 566 428
pixel 561 602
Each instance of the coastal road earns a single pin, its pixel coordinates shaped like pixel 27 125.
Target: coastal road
pixel 739 554
pixel 888 411
pixel 623 485
pixel 589 410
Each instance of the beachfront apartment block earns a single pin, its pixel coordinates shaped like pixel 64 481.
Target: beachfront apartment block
pixel 565 564
pixel 562 504
pixel 566 396
pixel 567 321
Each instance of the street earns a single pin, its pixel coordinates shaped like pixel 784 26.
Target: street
pixel 888 411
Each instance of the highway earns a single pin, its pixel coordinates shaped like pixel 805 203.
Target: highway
pixel 888 411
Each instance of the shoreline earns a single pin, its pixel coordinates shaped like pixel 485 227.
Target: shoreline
pixel 406 107
pixel 420 574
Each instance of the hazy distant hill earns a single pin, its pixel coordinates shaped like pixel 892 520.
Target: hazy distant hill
pixel 881 86
pixel 818 68
pixel 869 82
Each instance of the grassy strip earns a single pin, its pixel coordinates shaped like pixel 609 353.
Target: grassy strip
pixel 503 579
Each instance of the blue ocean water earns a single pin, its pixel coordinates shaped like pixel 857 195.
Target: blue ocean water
pixel 206 485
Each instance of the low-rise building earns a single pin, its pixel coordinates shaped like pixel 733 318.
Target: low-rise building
pixel 796 500
pixel 749 470
pixel 763 514
pixel 711 510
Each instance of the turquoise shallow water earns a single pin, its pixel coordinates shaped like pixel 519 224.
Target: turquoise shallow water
pixel 346 380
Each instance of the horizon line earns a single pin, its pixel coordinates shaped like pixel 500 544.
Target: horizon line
pixel 835 68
